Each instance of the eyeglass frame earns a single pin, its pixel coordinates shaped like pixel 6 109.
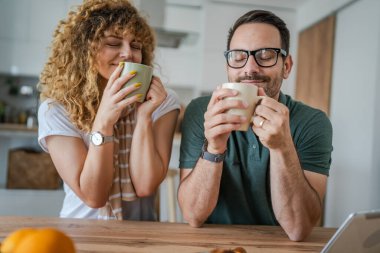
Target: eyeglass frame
pixel 253 53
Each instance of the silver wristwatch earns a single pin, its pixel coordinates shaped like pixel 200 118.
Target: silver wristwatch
pixel 97 138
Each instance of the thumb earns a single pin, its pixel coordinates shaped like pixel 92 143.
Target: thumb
pixel 261 92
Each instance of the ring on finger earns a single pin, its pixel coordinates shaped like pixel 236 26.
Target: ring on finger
pixel 262 123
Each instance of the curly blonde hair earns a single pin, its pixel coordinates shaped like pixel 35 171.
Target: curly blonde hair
pixel 70 75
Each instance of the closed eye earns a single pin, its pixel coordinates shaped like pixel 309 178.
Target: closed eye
pixel 113 44
pixel 136 45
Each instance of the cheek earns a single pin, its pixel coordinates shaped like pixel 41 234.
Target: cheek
pixel 233 74
pixel 137 57
pixel 103 70
pixel 103 64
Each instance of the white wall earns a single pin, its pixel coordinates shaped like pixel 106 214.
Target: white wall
pixel 354 180
pixel 315 10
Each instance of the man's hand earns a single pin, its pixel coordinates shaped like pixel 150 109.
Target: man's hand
pixel 218 124
pixel 271 123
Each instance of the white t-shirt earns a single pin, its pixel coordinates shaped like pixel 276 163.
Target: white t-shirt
pixel 53 120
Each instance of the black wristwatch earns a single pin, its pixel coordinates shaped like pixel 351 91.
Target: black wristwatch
pixel 215 158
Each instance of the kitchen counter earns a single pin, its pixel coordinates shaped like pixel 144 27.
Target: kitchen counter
pixel 137 236
pixel 14 136
pixel 17 130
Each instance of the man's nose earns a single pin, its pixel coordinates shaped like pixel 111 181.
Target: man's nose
pixel 251 65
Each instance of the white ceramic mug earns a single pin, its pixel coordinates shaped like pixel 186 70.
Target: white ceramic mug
pixel 248 93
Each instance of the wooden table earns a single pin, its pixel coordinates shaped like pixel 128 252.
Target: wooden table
pixel 137 236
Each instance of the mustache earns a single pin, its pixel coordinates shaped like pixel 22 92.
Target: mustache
pixel 254 77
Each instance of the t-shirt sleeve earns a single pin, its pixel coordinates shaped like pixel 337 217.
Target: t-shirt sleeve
pixel 170 103
pixel 192 133
pixel 53 120
pixel 314 146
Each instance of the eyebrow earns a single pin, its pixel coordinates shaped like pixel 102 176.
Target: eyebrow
pixel 112 36
pixel 120 38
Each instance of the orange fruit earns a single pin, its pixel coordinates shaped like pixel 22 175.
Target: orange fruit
pixel 45 240
pixel 13 239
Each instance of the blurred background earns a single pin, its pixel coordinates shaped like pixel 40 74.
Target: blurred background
pixel 335 46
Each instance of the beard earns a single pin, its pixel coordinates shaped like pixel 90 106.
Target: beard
pixel 271 86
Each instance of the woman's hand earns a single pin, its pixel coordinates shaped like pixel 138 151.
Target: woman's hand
pixel 113 101
pixel 154 98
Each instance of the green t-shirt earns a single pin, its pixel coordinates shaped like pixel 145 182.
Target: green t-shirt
pixel 244 196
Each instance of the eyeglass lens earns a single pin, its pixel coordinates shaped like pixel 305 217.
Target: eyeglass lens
pixel 263 57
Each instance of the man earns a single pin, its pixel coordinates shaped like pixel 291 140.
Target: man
pixel 276 172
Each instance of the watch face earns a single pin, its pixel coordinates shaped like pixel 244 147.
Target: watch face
pixel 97 138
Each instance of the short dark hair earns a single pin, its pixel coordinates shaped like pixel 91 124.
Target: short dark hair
pixel 266 17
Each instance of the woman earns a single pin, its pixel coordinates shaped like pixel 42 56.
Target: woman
pixel 115 174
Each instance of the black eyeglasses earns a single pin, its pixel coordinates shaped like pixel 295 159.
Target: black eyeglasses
pixel 264 57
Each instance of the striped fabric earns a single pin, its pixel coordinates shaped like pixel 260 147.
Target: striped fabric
pixel 122 187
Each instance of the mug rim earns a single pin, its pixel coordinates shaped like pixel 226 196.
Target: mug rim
pixel 135 63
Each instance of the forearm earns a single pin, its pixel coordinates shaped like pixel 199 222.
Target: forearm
pixel 146 166
pixel 296 204
pixel 97 175
pixel 198 193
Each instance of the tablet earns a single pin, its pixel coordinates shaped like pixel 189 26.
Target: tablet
pixel 360 232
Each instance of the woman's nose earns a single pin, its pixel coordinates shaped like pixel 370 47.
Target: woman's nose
pixel 126 53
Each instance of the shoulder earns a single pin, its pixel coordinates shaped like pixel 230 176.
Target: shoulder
pixel 309 126
pixel 172 98
pixel 194 114
pixel 198 104
pixel 53 119
pixel 50 108
pixel 302 114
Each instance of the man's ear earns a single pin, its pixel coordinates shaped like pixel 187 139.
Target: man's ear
pixel 227 72
pixel 288 64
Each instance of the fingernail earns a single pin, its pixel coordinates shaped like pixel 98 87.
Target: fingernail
pixel 245 104
pixel 121 64
pixel 235 92
pixel 133 72
pixel 243 118
pixel 137 85
pixel 139 96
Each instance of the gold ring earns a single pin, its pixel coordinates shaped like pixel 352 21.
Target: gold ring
pixel 261 123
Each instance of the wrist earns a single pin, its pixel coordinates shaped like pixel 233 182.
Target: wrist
pixel 284 150
pixel 215 150
pixel 212 156
pixel 106 129
pixel 97 138
pixel 144 122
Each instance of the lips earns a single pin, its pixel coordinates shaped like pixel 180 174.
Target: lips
pixel 252 81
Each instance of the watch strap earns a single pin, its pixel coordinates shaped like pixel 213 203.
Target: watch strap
pixel 108 139
pixel 215 158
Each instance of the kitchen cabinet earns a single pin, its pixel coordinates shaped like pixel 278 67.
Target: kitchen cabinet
pixel 13 136
pixel 24 202
pixel 178 67
pixel 26 32
pixel 33 202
